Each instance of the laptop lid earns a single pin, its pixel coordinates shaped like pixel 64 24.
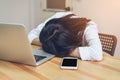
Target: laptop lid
pixel 15 46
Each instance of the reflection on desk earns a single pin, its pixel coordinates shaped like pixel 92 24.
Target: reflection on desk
pixel 107 69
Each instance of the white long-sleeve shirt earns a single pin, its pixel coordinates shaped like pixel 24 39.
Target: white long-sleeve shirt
pixel 91 49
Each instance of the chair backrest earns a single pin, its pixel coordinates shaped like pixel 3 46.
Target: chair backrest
pixel 108 43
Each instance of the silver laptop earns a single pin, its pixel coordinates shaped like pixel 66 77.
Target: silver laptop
pixel 15 46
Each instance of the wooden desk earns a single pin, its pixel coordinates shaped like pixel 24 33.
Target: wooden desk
pixel 107 69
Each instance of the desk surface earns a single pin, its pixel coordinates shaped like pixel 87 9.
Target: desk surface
pixel 107 69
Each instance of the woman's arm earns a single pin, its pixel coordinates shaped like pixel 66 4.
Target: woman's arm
pixel 93 49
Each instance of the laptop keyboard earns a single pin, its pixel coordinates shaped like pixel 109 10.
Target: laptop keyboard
pixel 38 58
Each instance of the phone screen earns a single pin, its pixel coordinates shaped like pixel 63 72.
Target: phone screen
pixel 70 63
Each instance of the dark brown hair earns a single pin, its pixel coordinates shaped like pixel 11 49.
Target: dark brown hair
pixel 61 35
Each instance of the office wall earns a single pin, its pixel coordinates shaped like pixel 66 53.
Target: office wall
pixel 26 12
pixel 45 12
pixel 106 13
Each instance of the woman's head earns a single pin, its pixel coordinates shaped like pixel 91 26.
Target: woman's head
pixel 62 35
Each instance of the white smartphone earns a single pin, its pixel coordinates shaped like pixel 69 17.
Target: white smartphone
pixel 69 63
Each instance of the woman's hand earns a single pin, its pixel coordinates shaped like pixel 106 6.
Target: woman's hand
pixel 36 42
pixel 75 53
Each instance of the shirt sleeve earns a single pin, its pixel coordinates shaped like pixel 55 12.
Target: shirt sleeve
pixel 93 51
pixel 36 31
